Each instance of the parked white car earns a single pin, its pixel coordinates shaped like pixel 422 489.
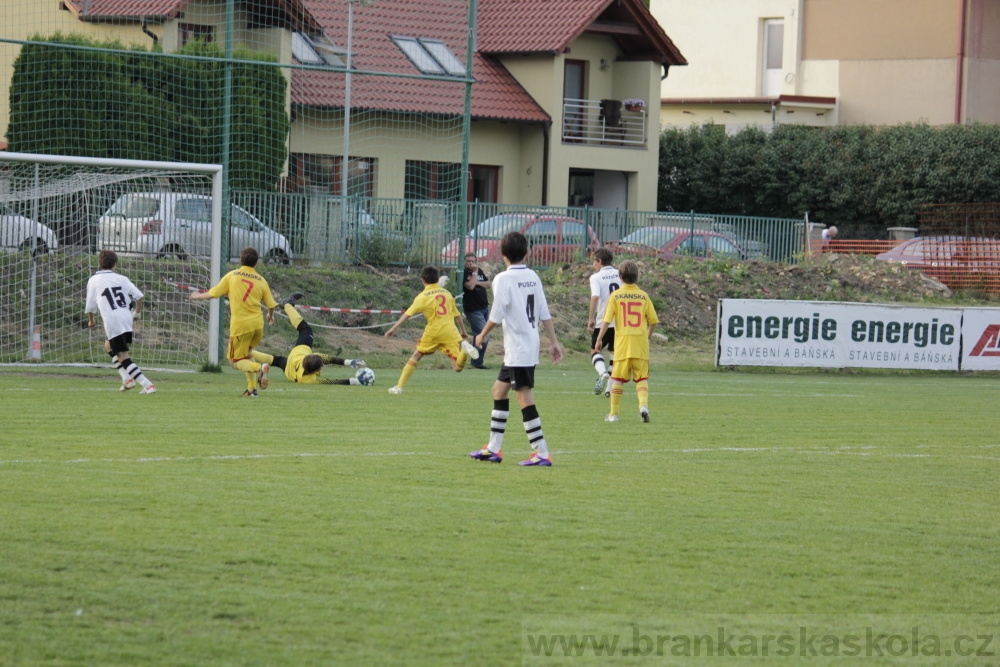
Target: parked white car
pixel 172 224
pixel 17 233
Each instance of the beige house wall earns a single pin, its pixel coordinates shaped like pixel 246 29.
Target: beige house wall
pixel 889 92
pixel 880 29
pixel 722 41
pixel 982 65
pixel 982 91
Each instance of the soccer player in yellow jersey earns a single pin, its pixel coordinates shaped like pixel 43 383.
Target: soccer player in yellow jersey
pixel 632 311
pixel 246 290
pixel 302 364
pixel 444 323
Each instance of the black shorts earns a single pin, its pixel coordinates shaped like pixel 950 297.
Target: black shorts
pixel 607 342
pixel 518 377
pixel 305 335
pixel 120 342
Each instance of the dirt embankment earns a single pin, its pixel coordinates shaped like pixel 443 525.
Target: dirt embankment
pixel 685 294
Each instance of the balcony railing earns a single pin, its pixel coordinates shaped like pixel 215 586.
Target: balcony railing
pixel 603 123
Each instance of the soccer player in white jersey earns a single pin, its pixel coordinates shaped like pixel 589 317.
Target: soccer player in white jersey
pixel 519 304
pixel 603 282
pixel 113 295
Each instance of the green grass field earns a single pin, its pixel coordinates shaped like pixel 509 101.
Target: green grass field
pixel 342 525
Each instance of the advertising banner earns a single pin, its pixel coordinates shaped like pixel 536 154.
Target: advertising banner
pixel 981 339
pixel 821 334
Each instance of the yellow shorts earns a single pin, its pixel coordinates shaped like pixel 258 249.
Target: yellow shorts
pixel 631 369
pixel 240 346
pixel 451 348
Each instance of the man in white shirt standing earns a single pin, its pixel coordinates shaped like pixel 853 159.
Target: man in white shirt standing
pixel 113 295
pixel 603 282
pixel 519 304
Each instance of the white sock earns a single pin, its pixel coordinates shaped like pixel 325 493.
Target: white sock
pixel 598 360
pixel 498 424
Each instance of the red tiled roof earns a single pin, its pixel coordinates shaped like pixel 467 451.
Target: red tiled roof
pixel 85 9
pixel 291 11
pixel 495 95
pixel 549 26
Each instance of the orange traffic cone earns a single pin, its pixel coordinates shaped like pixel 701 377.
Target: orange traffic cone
pixel 35 353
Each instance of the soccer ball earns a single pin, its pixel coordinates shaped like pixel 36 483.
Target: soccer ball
pixel 366 376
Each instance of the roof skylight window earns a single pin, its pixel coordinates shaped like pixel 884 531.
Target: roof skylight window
pixel 430 56
pixel 316 50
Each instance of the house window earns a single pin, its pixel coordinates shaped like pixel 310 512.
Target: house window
pixel 574 97
pixel 772 76
pixel 190 31
pixel 433 180
pixel 316 50
pixel 483 182
pixel 430 56
pixel 322 173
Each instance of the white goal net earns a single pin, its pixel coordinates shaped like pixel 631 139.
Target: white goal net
pixel 57 213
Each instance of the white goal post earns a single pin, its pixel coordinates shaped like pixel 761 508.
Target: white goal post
pixel 57 212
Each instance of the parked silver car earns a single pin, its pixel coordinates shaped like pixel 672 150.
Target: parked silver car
pixel 17 233
pixel 171 224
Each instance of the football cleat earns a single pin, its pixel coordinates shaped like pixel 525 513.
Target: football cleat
pixel 485 454
pixel 358 363
pixel 611 418
pixel 395 390
pixel 644 413
pixel 602 383
pixel 536 460
pixel 470 350
pixel 262 381
pixel 291 299
pixel 251 393
pixel 127 384
pixel 151 389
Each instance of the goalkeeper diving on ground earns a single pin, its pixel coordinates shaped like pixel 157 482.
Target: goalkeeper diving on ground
pixel 302 364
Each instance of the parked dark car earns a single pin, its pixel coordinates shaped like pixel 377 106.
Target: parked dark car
pixel 551 238
pixel 668 243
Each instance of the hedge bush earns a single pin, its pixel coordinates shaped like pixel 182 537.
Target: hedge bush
pixel 861 178
pixel 124 102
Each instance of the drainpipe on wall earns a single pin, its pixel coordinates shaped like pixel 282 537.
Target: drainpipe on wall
pixel 149 32
pixel 545 163
pixel 960 65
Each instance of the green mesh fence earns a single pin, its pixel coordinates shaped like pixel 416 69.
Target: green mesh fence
pixel 314 99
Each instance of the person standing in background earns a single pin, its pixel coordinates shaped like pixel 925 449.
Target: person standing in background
pixel 475 302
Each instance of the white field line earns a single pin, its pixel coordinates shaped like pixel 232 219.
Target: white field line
pixel 864 451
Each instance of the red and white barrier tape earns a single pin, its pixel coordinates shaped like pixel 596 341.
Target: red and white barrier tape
pixel 182 286
pixel 321 309
pixel 366 311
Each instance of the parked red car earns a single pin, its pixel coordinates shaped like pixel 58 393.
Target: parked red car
pixel 953 260
pixel 551 238
pixel 669 243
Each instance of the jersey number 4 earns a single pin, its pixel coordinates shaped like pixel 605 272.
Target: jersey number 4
pixel 529 309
